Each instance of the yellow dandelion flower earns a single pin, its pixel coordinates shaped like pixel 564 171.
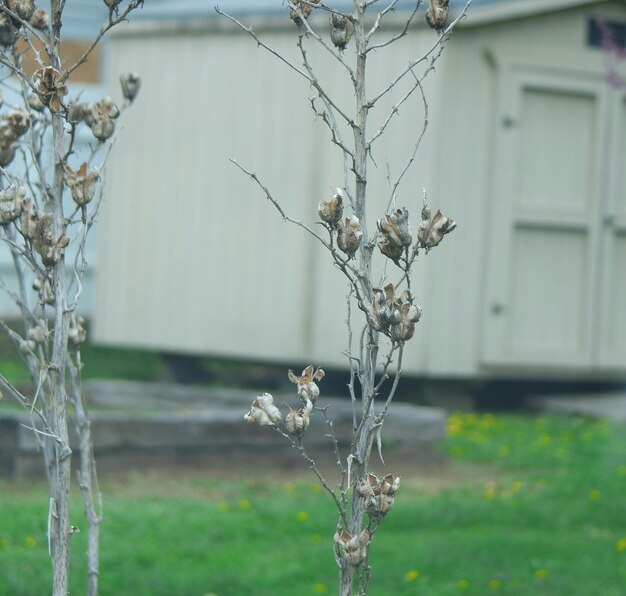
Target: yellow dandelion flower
pixel 4 542
pixel 223 506
pixel 412 575
pixel 302 516
pixel 490 491
pixel 504 450
pixel 516 486
pixel 495 584
pixel 620 545
pixel 244 504
pixel 30 542
pixel 541 574
pixel 320 588
pixel 594 495
pixel 462 584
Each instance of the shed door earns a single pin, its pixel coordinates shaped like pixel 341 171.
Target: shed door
pixel 612 333
pixel 545 283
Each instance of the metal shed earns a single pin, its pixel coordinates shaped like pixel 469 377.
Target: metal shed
pixel 525 149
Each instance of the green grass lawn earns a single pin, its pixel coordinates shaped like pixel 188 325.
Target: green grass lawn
pixel 536 506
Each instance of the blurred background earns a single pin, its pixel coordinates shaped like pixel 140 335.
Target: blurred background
pixel 199 296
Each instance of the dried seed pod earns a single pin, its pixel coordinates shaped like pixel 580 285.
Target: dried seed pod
pixel 331 211
pixel 8 31
pixel 410 314
pixel 40 20
pixel 396 229
pixel 112 3
pixel 131 83
pixel 379 493
pixel 437 14
pixel 341 29
pixel 49 86
pixel 49 247
pixel 38 334
pixel 353 548
pixel 297 421
pixel 77 333
pixel 305 7
pixel 28 220
pixel 390 250
pixel 82 183
pixel 7 153
pixel 18 122
pixel 349 235
pixel 11 204
pixel 24 9
pixel 307 388
pixel 102 119
pixel 263 411
pixel 433 228
pixel 80 111
pixel 43 287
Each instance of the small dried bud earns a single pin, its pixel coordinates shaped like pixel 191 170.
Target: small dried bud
pixel 349 235
pixel 341 29
pixel 263 411
pixel 379 494
pixel 40 20
pixel 433 229
pixel 7 153
pixel 307 389
pixel 131 84
pixel 305 7
pixel 49 247
pixel 43 287
pixel 354 548
pixel 437 14
pixel 297 421
pixel 18 121
pixel 11 204
pixel 82 183
pixel 28 220
pixel 50 88
pixel 24 9
pixel 8 31
pixel 38 334
pixel 331 211
pixel 77 333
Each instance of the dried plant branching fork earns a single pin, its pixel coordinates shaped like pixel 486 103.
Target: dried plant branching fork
pixel 50 194
pixel 389 311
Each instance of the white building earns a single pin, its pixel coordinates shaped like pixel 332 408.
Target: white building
pixel 526 150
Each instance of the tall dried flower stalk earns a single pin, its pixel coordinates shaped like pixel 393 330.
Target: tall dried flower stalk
pixel 390 313
pixel 49 199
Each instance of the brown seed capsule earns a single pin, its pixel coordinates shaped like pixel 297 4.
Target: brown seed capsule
pixel 437 14
pixel 305 7
pixel 396 229
pixel 307 388
pixel 40 20
pixel 331 211
pixel 24 9
pixel 131 84
pixel 263 411
pixel 341 29
pixel 49 87
pixel 8 31
pixel 379 494
pixel 102 119
pixel 11 204
pixel 353 548
pixel 82 183
pixel 349 235
pixel 433 228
